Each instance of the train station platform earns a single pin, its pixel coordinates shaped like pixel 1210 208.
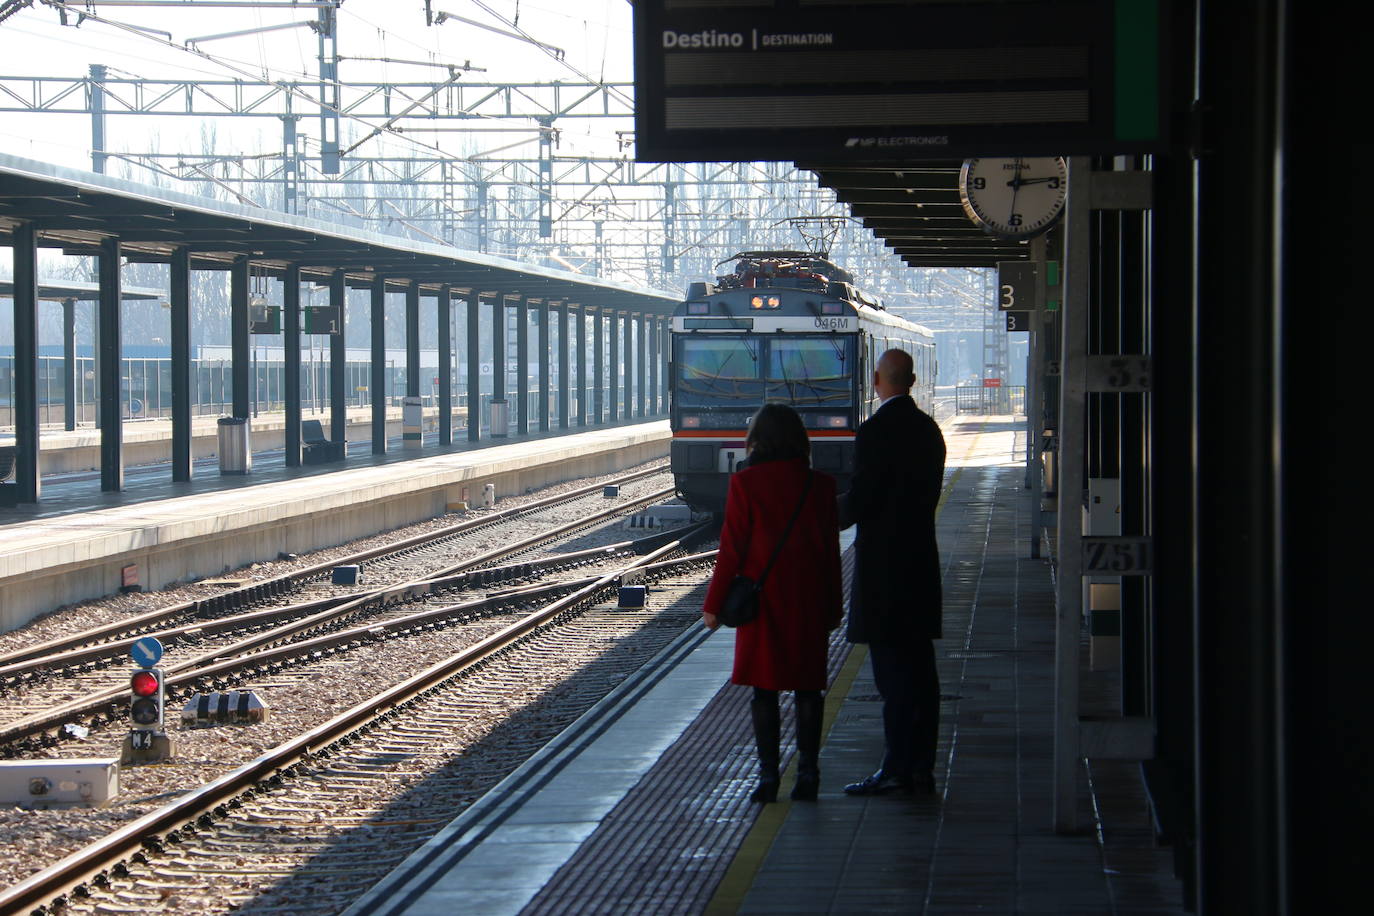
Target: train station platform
pixel 149 441
pixel 642 805
pixel 78 546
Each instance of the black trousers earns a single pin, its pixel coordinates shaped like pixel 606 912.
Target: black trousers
pixel 910 687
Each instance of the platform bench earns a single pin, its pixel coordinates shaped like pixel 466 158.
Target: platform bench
pixel 315 448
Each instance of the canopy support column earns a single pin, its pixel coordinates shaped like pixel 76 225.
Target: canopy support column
pixel 338 362
pixel 377 365
pixel 291 342
pixel 111 421
pixel 179 290
pixel 26 470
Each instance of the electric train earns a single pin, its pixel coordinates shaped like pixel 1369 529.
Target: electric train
pixel 788 327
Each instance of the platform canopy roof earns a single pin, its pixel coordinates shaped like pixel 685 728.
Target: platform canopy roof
pixel 915 210
pixel 76 211
pixel 79 291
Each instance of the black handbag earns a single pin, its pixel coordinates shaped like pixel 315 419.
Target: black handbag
pixel 741 604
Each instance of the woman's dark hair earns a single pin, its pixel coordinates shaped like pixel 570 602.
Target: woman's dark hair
pixel 776 434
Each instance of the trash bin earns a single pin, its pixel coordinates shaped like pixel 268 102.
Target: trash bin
pixel 235 455
pixel 412 419
pixel 500 419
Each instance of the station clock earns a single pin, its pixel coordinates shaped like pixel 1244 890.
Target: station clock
pixel 1014 198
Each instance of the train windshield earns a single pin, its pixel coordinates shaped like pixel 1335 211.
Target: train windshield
pixel 810 371
pixel 717 370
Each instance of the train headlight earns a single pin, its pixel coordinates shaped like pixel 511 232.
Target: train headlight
pixel 764 302
pixel 832 308
pixel 834 422
pixel 689 422
pixel 698 308
pixel 756 302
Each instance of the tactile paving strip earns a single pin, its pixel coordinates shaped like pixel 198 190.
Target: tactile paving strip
pixel 665 847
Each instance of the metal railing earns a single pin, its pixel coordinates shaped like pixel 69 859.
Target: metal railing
pixel 1006 400
pixel 146 390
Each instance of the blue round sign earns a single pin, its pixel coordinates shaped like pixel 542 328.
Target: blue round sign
pixel 147 652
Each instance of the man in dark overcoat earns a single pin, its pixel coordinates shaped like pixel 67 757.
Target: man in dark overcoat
pixel 895 599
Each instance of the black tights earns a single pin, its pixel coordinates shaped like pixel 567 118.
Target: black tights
pixel 810 707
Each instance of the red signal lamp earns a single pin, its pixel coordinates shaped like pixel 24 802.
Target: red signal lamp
pixel 146 704
pixel 144 684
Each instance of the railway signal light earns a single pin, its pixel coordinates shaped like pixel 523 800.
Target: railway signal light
pixel 147 703
pixel 147 742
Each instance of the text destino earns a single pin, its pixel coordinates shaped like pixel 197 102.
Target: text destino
pixel 710 38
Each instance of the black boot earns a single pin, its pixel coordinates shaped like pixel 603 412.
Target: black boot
pixel 810 711
pixel 763 708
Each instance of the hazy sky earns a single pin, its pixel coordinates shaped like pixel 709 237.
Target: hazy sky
pixel 594 36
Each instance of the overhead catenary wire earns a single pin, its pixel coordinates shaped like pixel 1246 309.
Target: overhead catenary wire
pixel 284 86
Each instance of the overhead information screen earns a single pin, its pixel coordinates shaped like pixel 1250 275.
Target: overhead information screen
pixel 868 80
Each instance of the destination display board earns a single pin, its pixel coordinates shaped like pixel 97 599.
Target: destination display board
pixel 892 80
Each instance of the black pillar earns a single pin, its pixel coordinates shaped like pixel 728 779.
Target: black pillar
pixel 498 348
pixel 444 314
pixel 291 344
pixel 179 290
pixel 338 361
pixel 598 367
pixel 613 403
pixel 111 428
pixel 413 339
pixel 629 365
pixel 1246 833
pixel 1171 774
pixel 564 382
pixel 474 415
pixel 522 364
pixel 72 381
pixel 239 357
pixel 583 404
pixel 544 373
pixel 498 356
pixel 377 383
pixel 651 323
pixel 640 360
pixel 26 472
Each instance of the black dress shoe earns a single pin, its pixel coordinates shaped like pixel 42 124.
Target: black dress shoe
pixel 881 784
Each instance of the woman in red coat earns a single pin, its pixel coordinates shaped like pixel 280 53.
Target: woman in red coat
pixel 785 647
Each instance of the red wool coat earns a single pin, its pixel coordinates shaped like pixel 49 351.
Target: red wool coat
pixel 785 647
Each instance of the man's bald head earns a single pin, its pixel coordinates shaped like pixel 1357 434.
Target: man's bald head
pixel 894 374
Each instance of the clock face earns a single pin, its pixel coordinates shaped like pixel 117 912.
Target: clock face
pixel 1014 198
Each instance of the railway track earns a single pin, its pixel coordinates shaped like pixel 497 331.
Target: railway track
pixel 82 690
pixel 254 593
pixel 309 824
